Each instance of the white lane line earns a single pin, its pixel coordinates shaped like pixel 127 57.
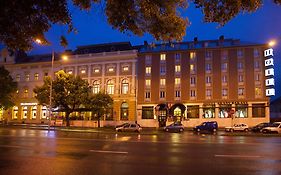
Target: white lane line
pixel 237 156
pixel 111 152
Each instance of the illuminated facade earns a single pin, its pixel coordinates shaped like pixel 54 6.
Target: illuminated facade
pixel 193 82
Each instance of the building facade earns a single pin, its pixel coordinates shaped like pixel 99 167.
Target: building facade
pixel 190 82
pixel 106 67
pixel 193 82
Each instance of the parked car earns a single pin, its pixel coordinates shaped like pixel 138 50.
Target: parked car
pixel 174 127
pixel 237 127
pixel 274 128
pixel 207 126
pixel 129 127
pixel 260 126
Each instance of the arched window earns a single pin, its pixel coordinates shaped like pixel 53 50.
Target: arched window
pixel 177 112
pixel 96 87
pixel 33 111
pixel 125 86
pixel 110 87
pixel 15 112
pixel 124 111
pixel 44 112
pixel 24 112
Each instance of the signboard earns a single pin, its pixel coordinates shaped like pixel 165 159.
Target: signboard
pixel 28 104
pixel 269 72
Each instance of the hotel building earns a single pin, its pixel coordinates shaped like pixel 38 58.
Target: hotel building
pixel 192 82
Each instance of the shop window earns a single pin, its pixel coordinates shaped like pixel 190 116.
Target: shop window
pixel 44 112
pixel 192 111
pixel 24 112
pixel 224 111
pixel 15 112
pixel 147 112
pixel 124 111
pixel 33 112
pixel 209 111
pixel 258 110
pixel 125 86
pixel 241 111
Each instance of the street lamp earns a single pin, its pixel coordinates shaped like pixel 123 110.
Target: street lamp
pixel 272 43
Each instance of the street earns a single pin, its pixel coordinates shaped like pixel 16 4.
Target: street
pixel 28 151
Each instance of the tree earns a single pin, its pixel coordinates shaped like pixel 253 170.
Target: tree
pixel 23 21
pixel 7 88
pixel 99 104
pixel 69 93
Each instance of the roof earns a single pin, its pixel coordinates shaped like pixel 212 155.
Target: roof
pixel 191 45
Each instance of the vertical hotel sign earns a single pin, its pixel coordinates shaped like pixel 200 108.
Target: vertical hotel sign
pixel 269 72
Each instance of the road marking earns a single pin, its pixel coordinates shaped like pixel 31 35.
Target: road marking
pixel 111 152
pixel 237 156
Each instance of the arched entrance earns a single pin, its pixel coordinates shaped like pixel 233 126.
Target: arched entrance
pixel 162 114
pixel 177 111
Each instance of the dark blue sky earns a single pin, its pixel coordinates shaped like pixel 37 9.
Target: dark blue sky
pixel 260 26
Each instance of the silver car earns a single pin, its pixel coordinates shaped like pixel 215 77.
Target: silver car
pixel 129 127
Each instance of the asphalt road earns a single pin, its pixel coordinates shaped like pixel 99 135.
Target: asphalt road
pixel 39 152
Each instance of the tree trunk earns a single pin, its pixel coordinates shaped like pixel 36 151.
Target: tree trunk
pixel 67 119
pixel 99 121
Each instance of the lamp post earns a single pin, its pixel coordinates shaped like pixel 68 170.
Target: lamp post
pixel 51 89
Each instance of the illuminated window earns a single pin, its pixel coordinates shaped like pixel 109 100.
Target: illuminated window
pixel 25 95
pixel 111 69
pixel 240 91
pixel 24 112
pixel 44 112
pixel 208 79
pixel 240 78
pixel 147 82
pixel 177 68
pixel 162 82
pixel 148 70
pixel 258 91
pixel 33 112
pixel 83 71
pixel 124 111
pixel 241 111
pixel 177 81
pixel 96 70
pixel 162 57
pixel 27 77
pixel 36 76
pixel 110 87
pixel 17 91
pixel 15 112
pixel 125 68
pixel 192 68
pixel 192 55
pixel 125 86
pixel 70 72
pixel 96 87
pixel 18 77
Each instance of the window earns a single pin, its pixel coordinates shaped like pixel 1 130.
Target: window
pixel 257 77
pixel 208 92
pixel 162 94
pixel 177 68
pixel 110 87
pixel 192 55
pixel 96 87
pixel 162 82
pixel 15 112
pixel 192 67
pixel 257 64
pixel 36 76
pixel 258 91
pixel 162 57
pixel 125 86
pixel 240 65
pixel 177 57
pixel 27 77
pixel 25 95
pixel 147 70
pixel 45 74
pixel 192 80
pixel 124 111
pixel 241 111
pixel 125 68
pixel 147 59
pixel 177 81
pixel 192 111
pixel 208 79
pixel 33 112
pixel 83 71
pixel 44 112
pixel 224 54
pixel 208 111
pixel 192 93
pixel 147 112
pixel 208 67
pixel 162 69
pixel 240 91
pixel 224 92
pixel 240 53
pixel 224 66
pixel 240 78
pixel 96 70
pixel 147 94
pixel 208 54
pixel 111 69
pixel 224 111
pixel 178 93
pixel 258 110
pixel 70 72
pixel 147 82
pixel 256 52
pixel 24 112
pixel 18 77
pixel 224 79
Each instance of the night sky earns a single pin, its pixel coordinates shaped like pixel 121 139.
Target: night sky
pixel 260 27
